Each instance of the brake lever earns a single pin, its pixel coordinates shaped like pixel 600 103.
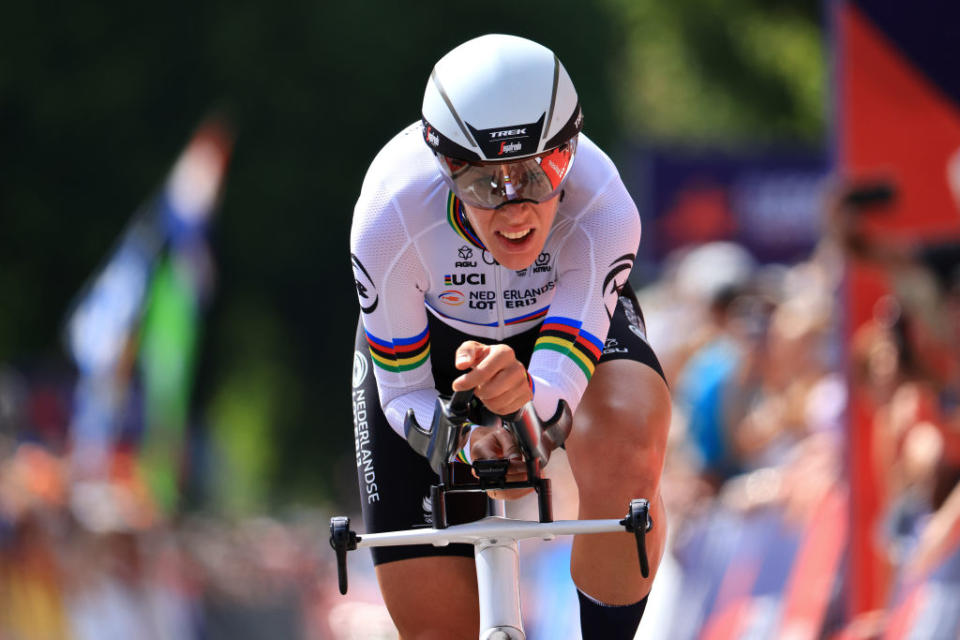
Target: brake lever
pixel 638 522
pixel 342 539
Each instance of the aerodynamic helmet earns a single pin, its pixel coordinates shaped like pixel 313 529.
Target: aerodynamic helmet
pixel 502 116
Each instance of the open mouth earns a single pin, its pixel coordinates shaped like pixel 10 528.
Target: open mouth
pixel 516 236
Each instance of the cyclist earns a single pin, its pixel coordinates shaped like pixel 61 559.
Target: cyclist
pixel 491 245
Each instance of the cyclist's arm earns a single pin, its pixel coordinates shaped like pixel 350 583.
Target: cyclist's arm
pixel 594 262
pixel 391 279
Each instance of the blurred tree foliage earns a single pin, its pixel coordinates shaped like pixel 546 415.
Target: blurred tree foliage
pixel 97 99
pixel 723 71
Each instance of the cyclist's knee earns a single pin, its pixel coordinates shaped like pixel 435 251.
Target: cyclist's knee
pixel 623 418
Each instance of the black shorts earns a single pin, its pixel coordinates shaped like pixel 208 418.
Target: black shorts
pixel 395 481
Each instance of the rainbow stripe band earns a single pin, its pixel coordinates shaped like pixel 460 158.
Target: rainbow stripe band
pixel 533 315
pixel 566 336
pixel 530 317
pixel 460 223
pixel 403 354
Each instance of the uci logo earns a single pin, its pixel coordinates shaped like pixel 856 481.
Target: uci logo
pixel 458 279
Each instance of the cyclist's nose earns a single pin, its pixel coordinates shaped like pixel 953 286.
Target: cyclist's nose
pixel 513 210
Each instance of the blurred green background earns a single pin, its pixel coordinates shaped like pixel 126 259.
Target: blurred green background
pixel 97 99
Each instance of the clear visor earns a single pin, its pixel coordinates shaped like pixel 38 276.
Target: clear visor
pixel 490 185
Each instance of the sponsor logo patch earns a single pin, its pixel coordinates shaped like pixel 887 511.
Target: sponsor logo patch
pixel 459 279
pixel 611 345
pixel 509 147
pixel 452 297
pixel 366 290
pixel 542 263
pixel 615 279
pixel 516 140
pixel 361 431
pixel 360 368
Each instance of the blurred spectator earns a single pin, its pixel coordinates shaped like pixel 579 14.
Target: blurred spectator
pixel 906 363
pixel 713 280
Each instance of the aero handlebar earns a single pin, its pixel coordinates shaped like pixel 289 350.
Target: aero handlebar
pixel 452 417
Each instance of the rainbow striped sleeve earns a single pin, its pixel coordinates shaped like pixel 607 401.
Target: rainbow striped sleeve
pixel 402 354
pixel 566 336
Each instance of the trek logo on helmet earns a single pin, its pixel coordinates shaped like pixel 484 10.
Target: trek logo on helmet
pixel 509 133
pixel 518 140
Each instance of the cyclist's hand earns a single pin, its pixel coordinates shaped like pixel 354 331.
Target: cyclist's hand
pixel 497 378
pixel 496 442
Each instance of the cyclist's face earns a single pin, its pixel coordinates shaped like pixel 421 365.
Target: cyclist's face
pixel 514 233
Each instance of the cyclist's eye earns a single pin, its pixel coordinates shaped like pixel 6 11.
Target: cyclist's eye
pixel 531 177
pixel 484 183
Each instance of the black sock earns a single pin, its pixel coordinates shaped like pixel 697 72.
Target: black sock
pixel 600 621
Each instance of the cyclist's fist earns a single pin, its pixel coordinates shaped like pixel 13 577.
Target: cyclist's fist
pixel 497 378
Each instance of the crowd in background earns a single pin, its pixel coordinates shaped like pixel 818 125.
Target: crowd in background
pixel 97 560
pixel 765 382
pixel 756 485
pixel 86 562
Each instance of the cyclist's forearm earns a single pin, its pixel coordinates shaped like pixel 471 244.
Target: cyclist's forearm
pixel 422 401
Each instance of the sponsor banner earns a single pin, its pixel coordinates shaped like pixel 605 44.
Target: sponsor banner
pixel 768 202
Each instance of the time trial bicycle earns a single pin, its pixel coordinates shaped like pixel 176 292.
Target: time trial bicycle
pixel 495 538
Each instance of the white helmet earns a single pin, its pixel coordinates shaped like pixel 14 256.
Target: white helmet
pixel 499 98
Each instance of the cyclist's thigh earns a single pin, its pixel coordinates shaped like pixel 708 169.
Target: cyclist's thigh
pixel 627 336
pixel 432 597
pixel 394 480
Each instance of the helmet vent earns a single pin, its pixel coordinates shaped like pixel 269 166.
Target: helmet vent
pixel 553 94
pixel 456 116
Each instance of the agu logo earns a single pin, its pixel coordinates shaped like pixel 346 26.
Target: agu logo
pixel 451 297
